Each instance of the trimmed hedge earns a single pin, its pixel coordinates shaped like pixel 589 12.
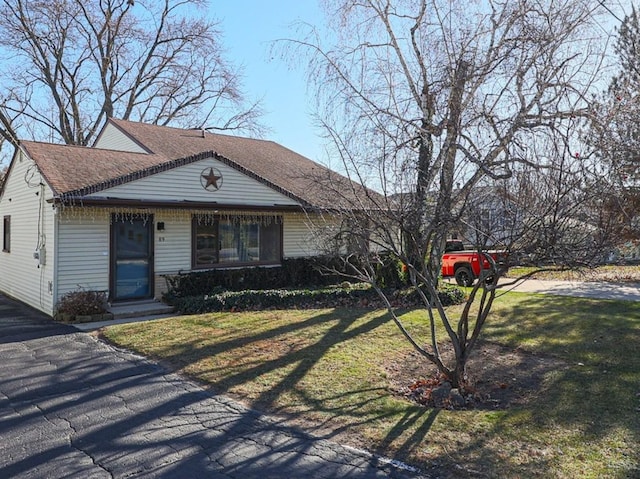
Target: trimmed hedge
pixel 266 299
pixel 293 273
pixel 251 300
pixel 298 283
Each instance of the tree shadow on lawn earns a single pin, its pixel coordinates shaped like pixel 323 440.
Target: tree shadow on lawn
pixel 595 397
pixel 467 442
pixel 299 358
pixel 327 414
pixel 577 371
pixel 563 375
pixel 598 340
pixel 559 373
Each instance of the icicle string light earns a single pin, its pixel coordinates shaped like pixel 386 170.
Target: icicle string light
pixel 80 214
pixel 231 217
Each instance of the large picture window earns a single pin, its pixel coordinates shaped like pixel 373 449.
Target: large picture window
pixel 236 240
pixel 6 234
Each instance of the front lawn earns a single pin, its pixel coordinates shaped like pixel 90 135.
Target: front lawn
pixel 563 375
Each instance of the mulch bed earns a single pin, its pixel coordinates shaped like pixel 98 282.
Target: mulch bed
pixel 500 378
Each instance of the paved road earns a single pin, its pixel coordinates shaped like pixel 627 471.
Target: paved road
pixel 73 407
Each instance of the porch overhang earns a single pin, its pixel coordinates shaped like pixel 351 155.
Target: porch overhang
pixel 168 204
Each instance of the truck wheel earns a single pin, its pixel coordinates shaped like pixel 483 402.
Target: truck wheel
pixel 464 276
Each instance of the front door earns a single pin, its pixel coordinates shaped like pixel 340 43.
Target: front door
pixel 131 258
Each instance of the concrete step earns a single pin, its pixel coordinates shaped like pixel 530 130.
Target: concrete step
pixel 135 309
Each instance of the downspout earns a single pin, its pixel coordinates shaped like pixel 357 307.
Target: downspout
pixel 56 242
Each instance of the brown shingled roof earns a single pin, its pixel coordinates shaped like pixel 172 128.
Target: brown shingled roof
pixel 68 168
pixel 75 171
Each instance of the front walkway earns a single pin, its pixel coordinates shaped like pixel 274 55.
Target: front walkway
pixel 73 407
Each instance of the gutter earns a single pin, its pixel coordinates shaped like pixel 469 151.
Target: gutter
pixel 167 204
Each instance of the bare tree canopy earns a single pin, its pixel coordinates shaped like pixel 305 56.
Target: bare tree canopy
pixel 446 94
pixel 430 100
pixel 71 64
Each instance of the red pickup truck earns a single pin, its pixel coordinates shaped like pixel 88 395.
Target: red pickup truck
pixel 464 265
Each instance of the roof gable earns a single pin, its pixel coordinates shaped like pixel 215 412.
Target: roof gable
pixel 113 138
pixel 285 170
pixel 189 183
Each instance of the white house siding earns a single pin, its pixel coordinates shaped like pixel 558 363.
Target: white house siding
pixel 84 236
pixel 113 139
pixel 83 250
pixel 24 199
pixel 310 235
pixel 184 183
pixel 172 247
pixel 297 238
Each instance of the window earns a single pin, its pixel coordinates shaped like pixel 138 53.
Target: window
pixel 6 234
pixel 236 240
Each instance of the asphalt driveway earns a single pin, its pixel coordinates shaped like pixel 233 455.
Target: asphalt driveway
pixel 73 407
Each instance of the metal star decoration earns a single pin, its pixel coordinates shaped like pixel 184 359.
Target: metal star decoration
pixel 211 180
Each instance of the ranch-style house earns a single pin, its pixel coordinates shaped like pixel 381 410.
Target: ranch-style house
pixel 147 201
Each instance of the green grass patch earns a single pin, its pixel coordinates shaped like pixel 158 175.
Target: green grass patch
pixel 335 371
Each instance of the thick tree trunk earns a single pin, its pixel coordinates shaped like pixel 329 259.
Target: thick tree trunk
pixel 442 221
pixel 415 240
pixel 458 376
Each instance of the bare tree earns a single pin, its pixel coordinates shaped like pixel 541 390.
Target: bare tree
pixel 73 63
pixel 426 100
pixel 3 174
pixel 556 214
pixel 8 134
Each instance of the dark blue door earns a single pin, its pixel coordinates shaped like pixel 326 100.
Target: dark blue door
pixel 132 259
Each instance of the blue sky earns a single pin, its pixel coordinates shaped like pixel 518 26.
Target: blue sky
pixel 249 28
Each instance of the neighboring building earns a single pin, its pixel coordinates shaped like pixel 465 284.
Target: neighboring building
pixel 490 219
pixel 147 201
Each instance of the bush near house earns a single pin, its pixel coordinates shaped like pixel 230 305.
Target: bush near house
pixel 344 295
pixel 300 283
pixel 81 302
pixel 293 273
